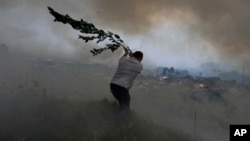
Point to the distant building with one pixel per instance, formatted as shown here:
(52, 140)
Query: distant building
(168, 72)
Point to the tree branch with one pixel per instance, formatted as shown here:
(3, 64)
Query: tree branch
(90, 33)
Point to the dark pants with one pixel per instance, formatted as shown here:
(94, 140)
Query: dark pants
(121, 94)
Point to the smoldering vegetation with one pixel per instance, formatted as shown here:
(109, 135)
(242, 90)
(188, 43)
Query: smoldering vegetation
(58, 99)
(61, 99)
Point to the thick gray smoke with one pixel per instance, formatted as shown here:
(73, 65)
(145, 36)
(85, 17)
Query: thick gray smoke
(223, 22)
(190, 32)
(49, 93)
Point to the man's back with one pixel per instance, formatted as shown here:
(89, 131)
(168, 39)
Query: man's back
(127, 71)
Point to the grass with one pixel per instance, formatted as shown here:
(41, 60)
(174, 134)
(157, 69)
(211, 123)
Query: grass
(67, 104)
(30, 118)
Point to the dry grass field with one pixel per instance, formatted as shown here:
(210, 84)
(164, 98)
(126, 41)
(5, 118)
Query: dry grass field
(67, 101)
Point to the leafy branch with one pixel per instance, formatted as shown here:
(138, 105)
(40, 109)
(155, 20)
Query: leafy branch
(91, 33)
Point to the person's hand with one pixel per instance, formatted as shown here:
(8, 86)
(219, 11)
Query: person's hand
(126, 51)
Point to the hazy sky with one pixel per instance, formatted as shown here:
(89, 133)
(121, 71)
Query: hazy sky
(175, 33)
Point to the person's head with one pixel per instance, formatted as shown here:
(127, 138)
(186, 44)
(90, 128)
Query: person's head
(138, 55)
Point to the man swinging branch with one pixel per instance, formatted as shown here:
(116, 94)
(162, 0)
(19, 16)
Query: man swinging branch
(128, 69)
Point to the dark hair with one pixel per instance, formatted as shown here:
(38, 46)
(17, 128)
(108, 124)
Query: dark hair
(138, 54)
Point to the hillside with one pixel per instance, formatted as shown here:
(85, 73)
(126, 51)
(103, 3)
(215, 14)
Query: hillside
(65, 100)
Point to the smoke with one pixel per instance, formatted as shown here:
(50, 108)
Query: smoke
(222, 23)
(170, 33)
(27, 27)
(190, 32)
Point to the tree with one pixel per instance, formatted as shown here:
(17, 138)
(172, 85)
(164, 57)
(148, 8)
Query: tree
(90, 33)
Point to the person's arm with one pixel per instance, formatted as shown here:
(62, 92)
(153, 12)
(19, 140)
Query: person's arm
(127, 52)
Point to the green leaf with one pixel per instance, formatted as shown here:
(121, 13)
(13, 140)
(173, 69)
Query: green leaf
(117, 36)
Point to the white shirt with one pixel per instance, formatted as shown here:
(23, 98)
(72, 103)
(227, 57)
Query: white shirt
(127, 70)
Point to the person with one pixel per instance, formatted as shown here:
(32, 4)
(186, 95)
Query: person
(128, 69)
